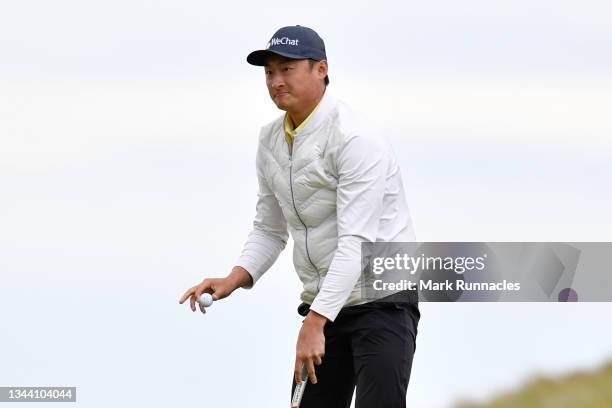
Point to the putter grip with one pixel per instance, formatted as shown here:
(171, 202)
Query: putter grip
(298, 392)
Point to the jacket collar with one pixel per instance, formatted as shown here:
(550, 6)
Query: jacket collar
(326, 105)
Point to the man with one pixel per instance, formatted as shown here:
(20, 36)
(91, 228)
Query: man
(331, 180)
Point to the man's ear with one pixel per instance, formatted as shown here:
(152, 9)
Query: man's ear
(322, 68)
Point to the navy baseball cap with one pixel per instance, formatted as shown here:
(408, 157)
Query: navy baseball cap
(296, 42)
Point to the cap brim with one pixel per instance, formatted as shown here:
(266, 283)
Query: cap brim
(259, 57)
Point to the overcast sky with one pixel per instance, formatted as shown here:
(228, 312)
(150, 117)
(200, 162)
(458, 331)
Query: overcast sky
(164, 38)
(127, 140)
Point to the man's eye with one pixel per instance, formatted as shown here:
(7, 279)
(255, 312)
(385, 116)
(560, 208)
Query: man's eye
(287, 68)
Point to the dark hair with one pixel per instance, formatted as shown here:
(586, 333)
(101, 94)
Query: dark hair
(312, 62)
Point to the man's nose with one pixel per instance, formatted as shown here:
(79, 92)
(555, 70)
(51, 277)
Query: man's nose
(276, 81)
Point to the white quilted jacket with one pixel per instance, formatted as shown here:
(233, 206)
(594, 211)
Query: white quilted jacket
(341, 186)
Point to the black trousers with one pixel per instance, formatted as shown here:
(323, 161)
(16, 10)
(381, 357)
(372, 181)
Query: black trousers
(370, 347)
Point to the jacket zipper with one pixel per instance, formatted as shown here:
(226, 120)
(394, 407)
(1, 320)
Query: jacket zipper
(300, 218)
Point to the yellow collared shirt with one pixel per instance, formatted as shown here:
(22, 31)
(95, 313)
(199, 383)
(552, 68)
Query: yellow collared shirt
(290, 132)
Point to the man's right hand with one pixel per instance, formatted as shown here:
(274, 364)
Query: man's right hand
(219, 288)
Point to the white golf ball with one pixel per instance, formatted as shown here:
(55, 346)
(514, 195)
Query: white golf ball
(206, 299)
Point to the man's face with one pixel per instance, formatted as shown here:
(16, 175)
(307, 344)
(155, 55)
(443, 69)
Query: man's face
(294, 83)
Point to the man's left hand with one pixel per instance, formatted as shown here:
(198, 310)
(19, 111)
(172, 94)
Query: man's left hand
(310, 347)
